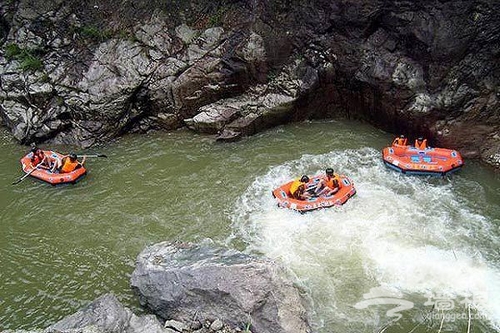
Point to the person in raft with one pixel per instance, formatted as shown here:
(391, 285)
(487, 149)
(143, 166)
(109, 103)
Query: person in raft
(421, 143)
(400, 141)
(68, 163)
(298, 188)
(328, 185)
(38, 158)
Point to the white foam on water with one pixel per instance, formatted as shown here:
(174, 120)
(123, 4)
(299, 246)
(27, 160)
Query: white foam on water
(414, 234)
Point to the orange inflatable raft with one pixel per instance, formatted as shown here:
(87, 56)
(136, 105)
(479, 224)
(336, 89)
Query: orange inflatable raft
(284, 197)
(48, 176)
(429, 161)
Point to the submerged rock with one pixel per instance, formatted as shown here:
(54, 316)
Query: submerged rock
(107, 314)
(104, 315)
(188, 282)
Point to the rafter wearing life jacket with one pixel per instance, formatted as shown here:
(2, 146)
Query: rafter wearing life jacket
(421, 143)
(298, 187)
(400, 141)
(328, 185)
(70, 163)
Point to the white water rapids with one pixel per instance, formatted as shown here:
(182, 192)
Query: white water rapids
(420, 239)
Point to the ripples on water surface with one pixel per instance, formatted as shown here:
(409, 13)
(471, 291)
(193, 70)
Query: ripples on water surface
(420, 239)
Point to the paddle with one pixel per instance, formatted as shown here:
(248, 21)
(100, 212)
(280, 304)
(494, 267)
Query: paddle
(94, 155)
(26, 175)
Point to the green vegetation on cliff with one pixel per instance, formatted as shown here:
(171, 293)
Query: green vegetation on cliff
(28, 59)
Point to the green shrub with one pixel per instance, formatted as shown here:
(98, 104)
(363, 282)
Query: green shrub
(31, 63)
(216, 19)
(90, 32)
(95, 33)
(12, 51)
(60, 101)
(28, 59)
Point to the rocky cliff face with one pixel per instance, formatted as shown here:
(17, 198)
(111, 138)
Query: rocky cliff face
(82, 73)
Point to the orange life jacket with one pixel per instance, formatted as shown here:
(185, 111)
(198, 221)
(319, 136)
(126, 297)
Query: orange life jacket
(422, 145)
(399, 141)
(333, 182)
(67, 165)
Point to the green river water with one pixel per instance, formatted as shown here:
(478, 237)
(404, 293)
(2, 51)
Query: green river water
(429, 245)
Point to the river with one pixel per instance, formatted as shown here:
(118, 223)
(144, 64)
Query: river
(406, 254)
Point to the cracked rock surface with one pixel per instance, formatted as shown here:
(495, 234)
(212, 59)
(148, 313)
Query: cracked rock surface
(84, 73)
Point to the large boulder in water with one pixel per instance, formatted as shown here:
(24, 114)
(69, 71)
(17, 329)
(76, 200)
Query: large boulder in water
(107, 314)
(185, 281)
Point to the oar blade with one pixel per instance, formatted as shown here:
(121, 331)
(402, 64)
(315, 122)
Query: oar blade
(92, 155)
(27, 174)
(22, 178)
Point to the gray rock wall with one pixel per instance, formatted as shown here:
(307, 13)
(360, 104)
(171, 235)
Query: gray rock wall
(83, 73)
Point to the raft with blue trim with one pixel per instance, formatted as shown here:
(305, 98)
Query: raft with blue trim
(53, 178)
(430, 161)
(285, 200)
